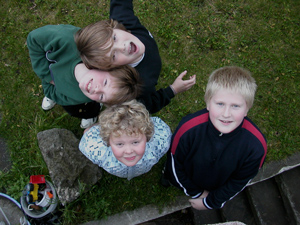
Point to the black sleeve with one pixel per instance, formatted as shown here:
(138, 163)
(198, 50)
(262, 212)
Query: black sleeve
(150, 67)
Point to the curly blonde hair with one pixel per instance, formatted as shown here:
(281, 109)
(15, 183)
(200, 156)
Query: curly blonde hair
(130, 118)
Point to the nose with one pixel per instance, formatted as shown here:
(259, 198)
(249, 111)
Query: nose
(128, 150)
(98, 88)
(227, 112)
(120, 47)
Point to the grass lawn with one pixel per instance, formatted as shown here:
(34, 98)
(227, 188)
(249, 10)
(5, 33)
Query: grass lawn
(199, 36)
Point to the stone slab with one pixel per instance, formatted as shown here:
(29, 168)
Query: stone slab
(10, 213)
(150, 212)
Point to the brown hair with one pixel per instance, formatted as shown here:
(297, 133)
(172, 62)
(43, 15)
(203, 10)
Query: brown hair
(95, 41)
(128, 85)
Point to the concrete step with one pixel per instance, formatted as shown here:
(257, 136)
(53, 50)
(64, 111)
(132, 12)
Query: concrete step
(267, 204)
(238, 209)
(273, 201)
(289, 187)
(207, 216)
(181, 217)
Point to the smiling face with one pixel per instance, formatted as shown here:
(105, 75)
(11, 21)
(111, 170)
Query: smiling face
(227, 110)
(126, 49)
(97, 85)
(128, 149)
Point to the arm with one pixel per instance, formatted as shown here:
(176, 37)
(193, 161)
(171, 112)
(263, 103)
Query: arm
(161, 139)
(178, 165)
(149, 69)
(92, 146)
(181, 85)
(122, 11)
(37, 46)
(197, 203)
(38, 43)
(52, 48)
(155, 100)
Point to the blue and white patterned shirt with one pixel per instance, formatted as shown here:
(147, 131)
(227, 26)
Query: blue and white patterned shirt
(96, 150)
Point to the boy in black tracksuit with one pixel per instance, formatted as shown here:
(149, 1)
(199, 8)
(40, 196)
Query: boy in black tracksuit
(149, 68)
(149, 65)
(216, 151)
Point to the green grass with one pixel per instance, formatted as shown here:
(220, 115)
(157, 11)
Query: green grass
(200, 36)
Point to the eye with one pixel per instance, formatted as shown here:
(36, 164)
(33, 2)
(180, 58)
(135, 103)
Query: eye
(235, 106)
(113, 56)
(101, 97)
(114, 37)
(105, 82)
(119, 144)
(136, 142)
(220, 103)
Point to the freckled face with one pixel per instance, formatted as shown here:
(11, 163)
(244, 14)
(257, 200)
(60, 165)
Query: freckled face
(128, 149)
(126, 49)
(98, 85)
(227, 110)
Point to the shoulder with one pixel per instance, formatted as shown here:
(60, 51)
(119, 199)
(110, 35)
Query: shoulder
(194, 119)
(161, 130)
(252, 130)
(160, 142)
(61, 30)
(92, 135)
(255, 138)
(159, 123)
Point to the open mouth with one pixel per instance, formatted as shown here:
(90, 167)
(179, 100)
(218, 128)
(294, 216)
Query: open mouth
(88, 87)
(133, 48)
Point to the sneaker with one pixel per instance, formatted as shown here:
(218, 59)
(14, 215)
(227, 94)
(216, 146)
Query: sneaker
(47, 103)
(85, 123)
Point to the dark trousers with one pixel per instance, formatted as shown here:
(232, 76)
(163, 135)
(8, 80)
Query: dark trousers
(85, 110)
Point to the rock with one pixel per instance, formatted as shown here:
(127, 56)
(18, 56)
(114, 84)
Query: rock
(71, 172)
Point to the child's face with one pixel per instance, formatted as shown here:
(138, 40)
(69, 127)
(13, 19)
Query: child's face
(97, 85)
(227, 110)
(126, 49)
(128, 149)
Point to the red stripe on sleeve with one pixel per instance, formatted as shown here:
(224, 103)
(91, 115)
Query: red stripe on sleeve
(249, 126)
(185, 127)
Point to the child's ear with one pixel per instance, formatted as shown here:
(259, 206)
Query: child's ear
(207, 106)
(246, 112)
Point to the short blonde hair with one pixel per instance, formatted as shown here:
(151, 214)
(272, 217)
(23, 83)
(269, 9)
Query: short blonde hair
(232, 78)
(95, 41)
(130, 118)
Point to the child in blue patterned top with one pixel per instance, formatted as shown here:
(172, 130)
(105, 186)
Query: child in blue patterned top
(126, 142)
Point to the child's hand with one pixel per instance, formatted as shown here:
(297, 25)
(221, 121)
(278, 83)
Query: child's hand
(181, 85)
(204, 194)
(197, 203)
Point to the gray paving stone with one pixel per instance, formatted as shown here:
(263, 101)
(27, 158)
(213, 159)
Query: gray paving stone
(207, 216)
(267, 203)
(238, 209)
(10, 213)
(290, 186)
